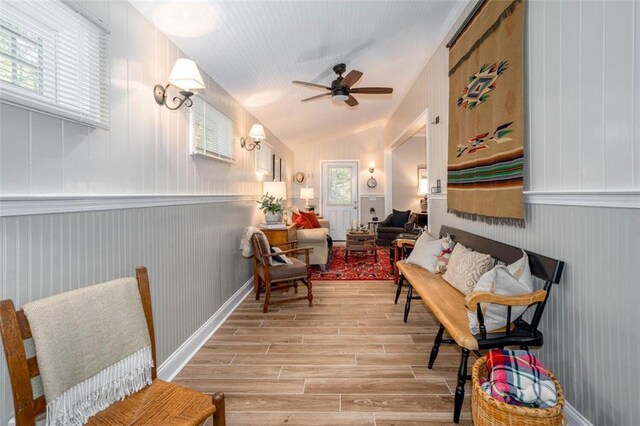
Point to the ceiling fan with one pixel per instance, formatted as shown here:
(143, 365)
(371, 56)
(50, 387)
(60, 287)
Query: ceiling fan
(341, 89)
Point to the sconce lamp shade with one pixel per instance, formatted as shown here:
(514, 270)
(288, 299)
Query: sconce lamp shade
(277, 189)
(372, 166)
(257, 132)
(423, 187)
(306, 193)
(185, 75)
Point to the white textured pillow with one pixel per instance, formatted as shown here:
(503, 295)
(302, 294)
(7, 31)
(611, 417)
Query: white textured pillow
(512, 280)
(465, 268)
(425, 253)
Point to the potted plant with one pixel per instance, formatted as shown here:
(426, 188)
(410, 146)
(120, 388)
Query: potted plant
(272, 208)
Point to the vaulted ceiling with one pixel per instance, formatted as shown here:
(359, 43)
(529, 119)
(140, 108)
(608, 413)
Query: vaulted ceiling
(254, 49)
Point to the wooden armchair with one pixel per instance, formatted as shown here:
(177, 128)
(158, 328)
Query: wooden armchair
(279, 277)
(159, 403)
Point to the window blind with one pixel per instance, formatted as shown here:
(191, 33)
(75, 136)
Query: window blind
(264, 158)
(211, 131)
(54, 59)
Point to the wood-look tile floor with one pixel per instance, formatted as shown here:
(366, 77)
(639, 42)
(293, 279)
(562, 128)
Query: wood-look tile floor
(348, 360)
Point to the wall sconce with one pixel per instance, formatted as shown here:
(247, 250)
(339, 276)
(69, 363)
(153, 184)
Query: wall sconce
(186, 77)
(257, 134)
(372, 182)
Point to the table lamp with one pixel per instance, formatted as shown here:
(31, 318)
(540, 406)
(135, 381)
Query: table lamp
(306, 194)
(423, 190)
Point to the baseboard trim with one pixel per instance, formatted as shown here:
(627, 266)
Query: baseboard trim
(575, 417)
(181, 356)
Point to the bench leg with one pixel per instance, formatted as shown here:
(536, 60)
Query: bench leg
(462, 378)
(407, 306)
(436, 347)
(399, 289)
(219, 415)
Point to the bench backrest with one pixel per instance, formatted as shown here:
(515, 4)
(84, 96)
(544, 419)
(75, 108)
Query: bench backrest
(15, 330)
(543, 267)
(547, 269)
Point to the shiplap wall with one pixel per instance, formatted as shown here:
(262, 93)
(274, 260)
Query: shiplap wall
(364, 146)
(591, 339)
(582, 59)
(191, 250)
(146, 150)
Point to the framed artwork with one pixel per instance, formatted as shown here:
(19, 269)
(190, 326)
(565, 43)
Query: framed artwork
(263, 159)
(283, 171)
(422, 172)
(276, 168)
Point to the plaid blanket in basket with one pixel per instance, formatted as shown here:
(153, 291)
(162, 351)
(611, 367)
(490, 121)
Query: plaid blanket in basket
(518, 378)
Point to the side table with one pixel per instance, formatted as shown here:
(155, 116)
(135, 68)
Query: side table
(281, 236)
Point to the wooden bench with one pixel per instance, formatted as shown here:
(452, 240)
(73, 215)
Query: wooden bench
(159, 403)
(450, 307)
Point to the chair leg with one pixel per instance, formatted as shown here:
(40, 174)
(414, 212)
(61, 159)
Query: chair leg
(407, 305)
(310, 291)
(462, 378)
(267, 297)
(295, 287)
(219, 415)
(399, 289)
(436, 347)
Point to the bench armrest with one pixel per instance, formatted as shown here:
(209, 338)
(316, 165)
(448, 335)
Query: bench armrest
(403, 242)
(472, 300)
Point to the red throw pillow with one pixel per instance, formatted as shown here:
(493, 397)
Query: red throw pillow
(312, 218)
(301, 222)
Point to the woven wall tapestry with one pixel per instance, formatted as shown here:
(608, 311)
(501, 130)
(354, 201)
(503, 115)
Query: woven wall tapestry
(486, 119)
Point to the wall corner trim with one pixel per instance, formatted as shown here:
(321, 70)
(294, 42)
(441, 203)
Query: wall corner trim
(170, 368)
(574, 417)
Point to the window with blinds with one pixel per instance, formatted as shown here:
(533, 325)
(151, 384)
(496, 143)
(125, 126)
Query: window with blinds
(211, 131)
(54, 59)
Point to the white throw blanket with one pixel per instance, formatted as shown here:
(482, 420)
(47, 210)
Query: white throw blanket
(93, 348)
(245, 244)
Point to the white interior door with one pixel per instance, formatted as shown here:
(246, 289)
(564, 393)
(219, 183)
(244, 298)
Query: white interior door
(340, 196)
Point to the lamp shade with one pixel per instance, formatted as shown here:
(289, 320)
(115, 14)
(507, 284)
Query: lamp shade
(257, 132)
(185, 75)
(277, 189)
(423, 187)
(306, 193)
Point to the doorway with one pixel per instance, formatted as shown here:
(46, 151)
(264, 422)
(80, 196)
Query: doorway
(340, 195)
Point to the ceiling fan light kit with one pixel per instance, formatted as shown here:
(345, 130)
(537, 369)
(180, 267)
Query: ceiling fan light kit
(341, 88)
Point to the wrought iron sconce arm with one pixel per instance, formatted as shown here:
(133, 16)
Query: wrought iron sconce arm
(249, 146)
(160, 95)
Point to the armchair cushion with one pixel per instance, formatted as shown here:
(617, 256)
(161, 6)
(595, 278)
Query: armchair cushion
(400, 218)
(284, 272)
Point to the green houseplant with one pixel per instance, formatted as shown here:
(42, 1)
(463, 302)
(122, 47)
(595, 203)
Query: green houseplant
(272, 208)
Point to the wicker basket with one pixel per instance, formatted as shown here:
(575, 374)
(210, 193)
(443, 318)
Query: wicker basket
(486, 410)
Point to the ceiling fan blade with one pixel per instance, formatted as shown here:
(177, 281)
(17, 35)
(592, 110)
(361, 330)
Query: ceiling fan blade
(316, 97)
(351, 101)
(351, 78)
(372, 90)
(317, 86)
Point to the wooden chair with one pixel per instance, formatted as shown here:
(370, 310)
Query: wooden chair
(279, 277)
(159, 403)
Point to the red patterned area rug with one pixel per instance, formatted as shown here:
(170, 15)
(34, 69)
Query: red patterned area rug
(360, 267)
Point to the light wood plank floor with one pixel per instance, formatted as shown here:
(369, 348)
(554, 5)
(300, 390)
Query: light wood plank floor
(348, 360)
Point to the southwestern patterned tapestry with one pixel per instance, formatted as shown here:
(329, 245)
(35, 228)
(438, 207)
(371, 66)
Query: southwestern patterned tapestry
(486, 119)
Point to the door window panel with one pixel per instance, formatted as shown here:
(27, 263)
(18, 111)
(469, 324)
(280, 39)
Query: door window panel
(340, 190)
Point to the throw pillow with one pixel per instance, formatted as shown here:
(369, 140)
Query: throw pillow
(465, 268)
(312, 218)
(425, 253)
(445, 253)
(301, 222)
(512, 280)
(279, 260)
(399, 218)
